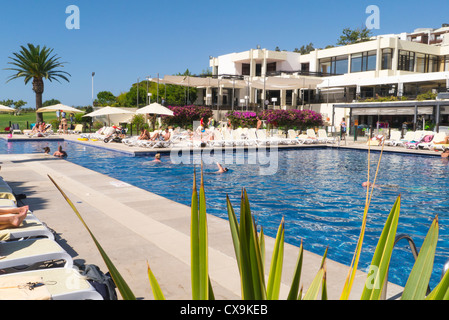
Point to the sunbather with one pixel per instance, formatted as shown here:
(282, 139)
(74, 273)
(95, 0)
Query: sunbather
(144, 135)
(12, 217)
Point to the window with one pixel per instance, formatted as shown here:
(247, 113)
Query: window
(258, 70)
(271, 67)
(246, 69)
(406, 61)
(426, 63)
(365, 61)
(387, 59)
(334, 65)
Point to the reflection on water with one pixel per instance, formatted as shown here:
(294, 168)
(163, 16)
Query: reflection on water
(317, 191)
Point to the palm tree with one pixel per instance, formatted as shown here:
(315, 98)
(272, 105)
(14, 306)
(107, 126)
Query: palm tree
(38, 64)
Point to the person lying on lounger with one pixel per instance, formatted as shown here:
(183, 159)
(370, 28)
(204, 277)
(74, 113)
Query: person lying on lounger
(12, 217)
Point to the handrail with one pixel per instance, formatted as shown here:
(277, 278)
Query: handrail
(415, 255)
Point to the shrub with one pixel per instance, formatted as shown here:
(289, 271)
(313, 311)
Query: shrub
(242, 119)
(184, 116)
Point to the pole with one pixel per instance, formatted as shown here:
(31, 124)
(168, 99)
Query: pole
(157, 88)
(138, 92)
(93, 74)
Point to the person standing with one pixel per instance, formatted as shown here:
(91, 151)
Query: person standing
(343, 128)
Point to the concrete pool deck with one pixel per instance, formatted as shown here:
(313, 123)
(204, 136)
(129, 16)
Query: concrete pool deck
(135, 226)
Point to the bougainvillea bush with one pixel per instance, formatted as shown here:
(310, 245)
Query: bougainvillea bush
(242, 119)
(184, 116)
(301, 119)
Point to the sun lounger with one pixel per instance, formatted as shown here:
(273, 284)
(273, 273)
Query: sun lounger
(395, 138)
(324, 138)
(58, 284)
(408, 137)
(15, 128)
(436, 143)
(7, 203)
(30, 228)
(312, 136)
(30, 254)
(414, 144)
(6, 193)
(238, 137)
(78, 129)
(217, 141)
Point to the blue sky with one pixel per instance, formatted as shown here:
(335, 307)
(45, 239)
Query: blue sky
(124, 40)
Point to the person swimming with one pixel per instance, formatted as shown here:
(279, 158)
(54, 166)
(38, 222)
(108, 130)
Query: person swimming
(370, 184)
(221, 169)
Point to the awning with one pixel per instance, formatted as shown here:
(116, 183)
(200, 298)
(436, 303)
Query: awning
(391, 111)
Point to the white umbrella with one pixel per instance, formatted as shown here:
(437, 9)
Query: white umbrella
(6, 109)
(57, 107)
(155, 108)
(107, 111)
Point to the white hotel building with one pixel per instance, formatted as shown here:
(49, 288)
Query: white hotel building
(336, 81)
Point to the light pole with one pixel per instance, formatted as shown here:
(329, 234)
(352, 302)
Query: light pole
(93, 74)
(138, 79)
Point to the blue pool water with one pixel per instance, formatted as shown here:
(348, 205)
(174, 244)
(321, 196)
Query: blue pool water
(317, 191)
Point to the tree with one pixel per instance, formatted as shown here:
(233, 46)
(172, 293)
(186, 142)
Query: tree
(51, 102)
(105, 98)
(305, 49)
(354, 36)
(36, 63)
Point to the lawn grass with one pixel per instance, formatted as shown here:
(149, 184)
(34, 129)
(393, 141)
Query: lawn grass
(24, 120)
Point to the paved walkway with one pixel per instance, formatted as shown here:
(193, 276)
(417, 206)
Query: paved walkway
(135, 226)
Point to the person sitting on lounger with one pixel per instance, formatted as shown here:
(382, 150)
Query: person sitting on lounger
(60, 153)
(221, 169)
(144, 135)
(165, 136)
(12, 217)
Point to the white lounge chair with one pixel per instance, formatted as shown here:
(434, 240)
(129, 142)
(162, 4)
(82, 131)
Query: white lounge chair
(30, 254)
(409, 135)
(262, 137)
(292, 137)
(218, 140)
(437, 143)
(395, 138)
(323, 137)
(30, 228)
(58, 284)
(311, 135)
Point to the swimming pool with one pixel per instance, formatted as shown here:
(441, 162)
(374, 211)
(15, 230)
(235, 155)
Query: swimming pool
(317, 191)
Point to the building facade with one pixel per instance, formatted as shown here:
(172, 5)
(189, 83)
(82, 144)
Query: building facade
(403, 67)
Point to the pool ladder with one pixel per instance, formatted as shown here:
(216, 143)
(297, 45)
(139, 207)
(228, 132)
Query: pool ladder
(415, 255)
